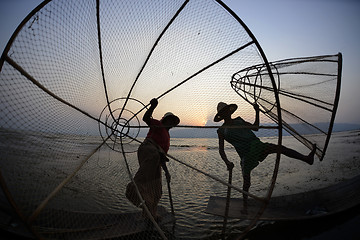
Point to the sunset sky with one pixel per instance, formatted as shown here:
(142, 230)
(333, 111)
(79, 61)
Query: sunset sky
(284, 29)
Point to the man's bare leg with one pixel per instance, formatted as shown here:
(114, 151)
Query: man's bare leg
(293, 154)
(246, 187)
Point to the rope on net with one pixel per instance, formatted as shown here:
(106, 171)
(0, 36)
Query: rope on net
(264, 200)
(228, 184)
(62, 184)
(313, 83)
(179, 161)
(151, 51)
(143, 203)
(66, 180)
(267, 105)
(38, 210)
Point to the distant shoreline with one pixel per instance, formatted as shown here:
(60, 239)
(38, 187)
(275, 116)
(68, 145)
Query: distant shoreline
(200, 132)
(211, 132)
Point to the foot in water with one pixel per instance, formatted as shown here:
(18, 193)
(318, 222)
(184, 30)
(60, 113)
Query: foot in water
(310, 157)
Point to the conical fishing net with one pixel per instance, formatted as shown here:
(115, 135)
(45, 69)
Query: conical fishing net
(309, 90)
(76, 79)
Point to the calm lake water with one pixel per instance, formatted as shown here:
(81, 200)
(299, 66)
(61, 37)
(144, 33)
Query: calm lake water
(33, 165)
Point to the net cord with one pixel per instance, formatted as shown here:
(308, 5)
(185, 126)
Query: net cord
(261, 52)
(216, 179)
(42, 87)
(210, 65)
(65, 181)
(142, 204)
(336, 103)
(285, 62)
(272, 185)
(192, 76)
(100, 56)
(290, 130)
(278, 154)
(289, 94)
(43, 204)
(141, 70)
(62, 184)
(287, 127)
(5, 57)
(320, 58)
(302, 99)
(18, 29)
(320, 153)
(149, 55)
(15, 206)
(261, 199)
(34, 81)
(202, 172)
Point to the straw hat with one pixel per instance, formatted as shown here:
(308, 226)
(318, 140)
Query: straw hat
(221, 108)
(173, 118)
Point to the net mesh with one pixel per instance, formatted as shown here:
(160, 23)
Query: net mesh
(308, 91)
(76, 79)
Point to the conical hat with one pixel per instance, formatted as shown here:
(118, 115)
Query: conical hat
(221, 108)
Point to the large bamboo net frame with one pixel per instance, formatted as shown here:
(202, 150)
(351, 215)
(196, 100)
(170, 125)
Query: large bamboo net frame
(76, 77)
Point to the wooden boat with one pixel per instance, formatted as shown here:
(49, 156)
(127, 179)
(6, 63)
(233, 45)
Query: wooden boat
(91, 225)
(100, 225)
(312, 204)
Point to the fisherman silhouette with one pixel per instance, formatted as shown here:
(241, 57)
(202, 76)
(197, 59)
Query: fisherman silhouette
(251, 150)
(152, 157)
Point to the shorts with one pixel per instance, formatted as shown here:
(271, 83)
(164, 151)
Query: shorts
(254, 155)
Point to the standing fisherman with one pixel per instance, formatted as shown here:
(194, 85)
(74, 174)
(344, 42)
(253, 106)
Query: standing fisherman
(152, 157)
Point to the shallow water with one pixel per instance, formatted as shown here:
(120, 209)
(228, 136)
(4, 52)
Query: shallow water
(33, 167)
